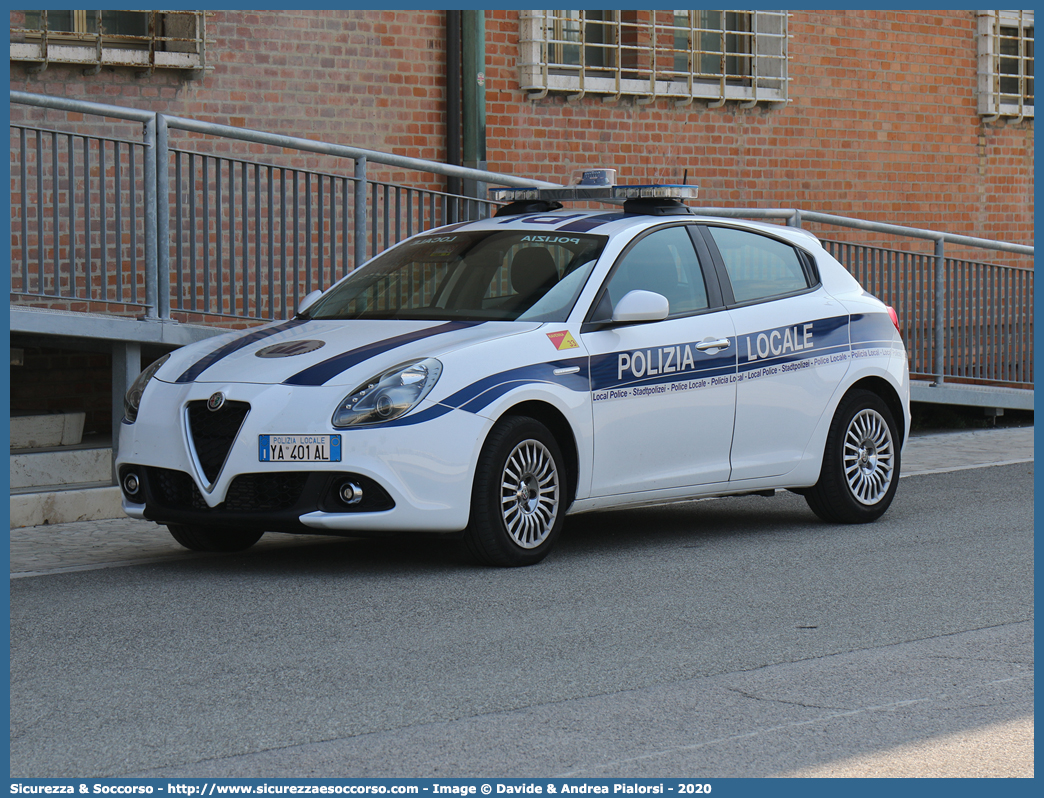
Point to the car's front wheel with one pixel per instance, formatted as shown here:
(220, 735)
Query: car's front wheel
(519, 496)
(860, 471)
(212, 538)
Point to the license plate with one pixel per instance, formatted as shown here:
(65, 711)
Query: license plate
(299, 448)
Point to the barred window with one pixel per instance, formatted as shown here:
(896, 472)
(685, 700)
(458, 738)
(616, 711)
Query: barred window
(682, 54)
(144, 39)
(1006, 63)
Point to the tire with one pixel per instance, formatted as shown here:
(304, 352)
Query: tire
(861, 462)
(519, 497)
(212, 538)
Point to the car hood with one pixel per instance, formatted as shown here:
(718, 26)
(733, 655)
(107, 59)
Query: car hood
(316, 352)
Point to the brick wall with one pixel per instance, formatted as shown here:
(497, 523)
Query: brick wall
(881, 125)
(882, 121)
(341, 76)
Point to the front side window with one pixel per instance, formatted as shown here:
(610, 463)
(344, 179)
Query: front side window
(681, 54)
(759, 267)
(487, 276)
(663, 262)
(1006, 63)
(145, 39)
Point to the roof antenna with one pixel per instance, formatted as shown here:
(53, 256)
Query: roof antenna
(685, 178)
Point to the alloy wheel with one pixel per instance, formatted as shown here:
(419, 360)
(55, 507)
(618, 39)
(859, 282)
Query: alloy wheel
(529, 494)
(868, 456)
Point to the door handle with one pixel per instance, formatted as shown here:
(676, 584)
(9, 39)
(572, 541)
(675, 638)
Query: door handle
(721, 343)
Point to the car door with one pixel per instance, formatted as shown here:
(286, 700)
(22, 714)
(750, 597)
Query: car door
(792, 344)
(663, 391)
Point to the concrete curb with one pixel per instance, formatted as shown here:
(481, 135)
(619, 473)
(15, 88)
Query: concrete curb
(66, 506)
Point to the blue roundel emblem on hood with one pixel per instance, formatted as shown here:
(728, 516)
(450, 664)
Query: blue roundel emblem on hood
(290, 348)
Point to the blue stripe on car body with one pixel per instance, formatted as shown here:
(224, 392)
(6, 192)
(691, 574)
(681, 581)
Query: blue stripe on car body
(608, 372)
(418, 417)
(592, 223)
(776, 345)
(868, 327)
(321, 373)
(479, 395)
(222, 352)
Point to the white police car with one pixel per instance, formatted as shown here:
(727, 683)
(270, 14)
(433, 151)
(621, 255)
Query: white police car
(488, 378)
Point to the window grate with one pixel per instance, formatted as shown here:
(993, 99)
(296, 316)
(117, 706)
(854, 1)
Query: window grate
(652, 54)
(147, 40)
(1006, 63)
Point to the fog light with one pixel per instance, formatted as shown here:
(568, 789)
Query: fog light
(131, 485)
(350, 493)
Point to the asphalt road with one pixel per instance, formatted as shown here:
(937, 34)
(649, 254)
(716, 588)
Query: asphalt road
(736, 637)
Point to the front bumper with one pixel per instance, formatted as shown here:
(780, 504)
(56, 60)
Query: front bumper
(413, 477)
(274, 501)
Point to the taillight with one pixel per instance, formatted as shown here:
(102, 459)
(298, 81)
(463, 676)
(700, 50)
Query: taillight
(895, 318)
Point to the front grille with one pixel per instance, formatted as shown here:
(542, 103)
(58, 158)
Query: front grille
(248, 493)
(265, 492)
(213, 432)
(175, 489)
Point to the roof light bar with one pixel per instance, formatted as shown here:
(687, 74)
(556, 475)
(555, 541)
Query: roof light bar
(610, 193)
(597, 185)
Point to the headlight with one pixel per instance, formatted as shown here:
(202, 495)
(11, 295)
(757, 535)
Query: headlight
(132, 400)
(388, 395)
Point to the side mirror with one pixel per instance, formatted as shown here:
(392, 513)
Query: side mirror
(308, 300)
(639, 306)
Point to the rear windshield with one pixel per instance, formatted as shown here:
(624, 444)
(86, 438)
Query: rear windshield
(474, 276)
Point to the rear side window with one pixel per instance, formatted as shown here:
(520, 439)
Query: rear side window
(759, 267)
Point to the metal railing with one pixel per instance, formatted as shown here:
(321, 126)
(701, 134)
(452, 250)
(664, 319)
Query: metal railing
(250, 240)
(986, 316)
(238, 256)
(245, 240)
(48, 212)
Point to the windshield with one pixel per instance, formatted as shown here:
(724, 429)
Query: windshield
(474, 276)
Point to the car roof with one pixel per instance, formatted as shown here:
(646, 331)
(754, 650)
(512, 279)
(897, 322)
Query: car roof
(613, 222)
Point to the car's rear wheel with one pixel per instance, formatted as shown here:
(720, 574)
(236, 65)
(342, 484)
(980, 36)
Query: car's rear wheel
(860, 471)
(212, 538)
(519, 496)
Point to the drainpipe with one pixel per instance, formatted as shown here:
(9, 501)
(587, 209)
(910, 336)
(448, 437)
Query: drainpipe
(453, 107)
(473, 28)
